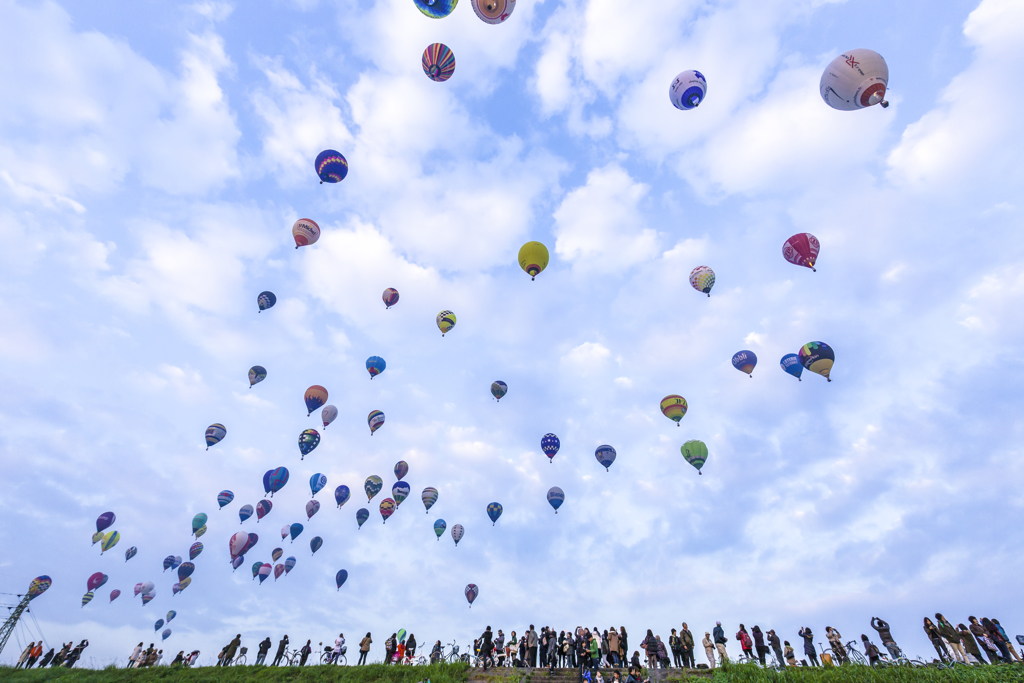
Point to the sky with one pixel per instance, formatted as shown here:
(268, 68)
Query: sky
(154, 156)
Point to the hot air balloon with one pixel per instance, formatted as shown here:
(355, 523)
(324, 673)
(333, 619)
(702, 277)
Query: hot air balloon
(401, 469)
(855, 80)
(214, 434)
(494, 511)
(390, 297)
(438, 62)
(198, 521)
(329, 414)
(257, 374)
(87, 598)
(400, 491)
(138, 588)
(702, 279)
(362, 514)
(315, 397)
(158, 625)
(457, 533)
(266, 300)
(605, 455)
(256, 569)
(95, 581)
(225, 497)
(177, 562)
(38, 586)
(375, 419)
(237, 543)
(317, 482)
(436, 9)
(166, 634)
(294, 530)
(176, 588)
(130, 553)
(533, 258)
(439, 527)
(170, 615)
(114, 595)
(104, 521)
(263, 509)
(372, 486)
(168, 562)
(556, 497)
(312, 507)
(145, 587)
(674, 407)
(97, 537)
(201, 531)
(185, 571)
(331, 166)
(471, 592)
(550, 445)
(498, 389)
(278, 571)
(340, 578)
(315, 543)
(245, 512)
(276, 554)
(236, 563)
(111, 538)
(387, 508)
(289, 564)
(305, 231)
(791, 364)
(493, 11)
(309, 439)
(375, 365)
(695, 452)
(445, 321)
(341, 495)
(194, 550)
(251, 543)
(429, 497)
(744, 361)
(274, 480)
(285, 530)
(818, 357)
(802, 249)
(688, 90)
(148, 597)
(265, 571)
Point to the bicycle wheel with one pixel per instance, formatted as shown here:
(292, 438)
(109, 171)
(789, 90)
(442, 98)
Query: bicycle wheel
(342, 660)
(240, 660)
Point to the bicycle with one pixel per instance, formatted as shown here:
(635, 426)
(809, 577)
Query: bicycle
(900, 660)
(240, 659)
(293, 657)
(330, 657)
(854, 655)
(451, 656)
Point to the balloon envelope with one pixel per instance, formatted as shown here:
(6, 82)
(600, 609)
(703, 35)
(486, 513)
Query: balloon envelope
(317, 482)
(266, 300)
(429, 497)
(362, 514)
(148, 597)
(278, 571)
(110, 539)
(314, 397)
(802, 249)
(87, 598)
(471, 592)
(312, 507)
(498, 389)
(401, 469)
(289, 564)
(305, 231)
(104, 521)
(329, 414)
(308, 440)
(177, 561)
(818, 357)
(605, 455)
(285, 530)
(257, 374)
(146, 587)
(237, 543)
(168, 562)
(274, 480)
(674, 407)
(170, 615)
(688, 90)
(550, 445)
(695, 452)
(194, 551)
(97, 537)
(854, 80)
(201, 531)
(294, 530)
(130, 553)
(556, 497)
(263, 509)
(494, 512)
(744, 361)
(331, 166)
(387, 508)
(198, 521)
(400, 491)
(791, 364)
(436, 9)
(236, 563)
(214, 434)
(375, 419)
(185, 570)
(493, 11)
(390, 297)
(245, 512)
(265, 571)
(439, 527)
(457, 533)
(702, 279)
(340, 578)
(372, 486)
(157, 626)
(533, 258)
(375, 365)
(256, 569)
(114, 595)
(341, 495)
(38, 586)
(225, 497)
(276, 554)
(445, 321)
(315, 543)
(166, 634)
(95, 581)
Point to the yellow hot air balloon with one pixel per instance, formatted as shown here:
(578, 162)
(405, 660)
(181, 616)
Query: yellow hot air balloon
(445, 321)
(533, 258)
(674, 407)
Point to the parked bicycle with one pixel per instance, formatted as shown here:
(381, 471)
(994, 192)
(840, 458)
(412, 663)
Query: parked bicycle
(900, 660)
(332, 657)
(854, 654)
(240, 659)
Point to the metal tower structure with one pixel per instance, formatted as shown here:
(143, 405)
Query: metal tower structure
(8, 628)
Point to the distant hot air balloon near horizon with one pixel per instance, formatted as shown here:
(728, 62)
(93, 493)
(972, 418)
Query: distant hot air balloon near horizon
(605, 455)
(329, 414)
(305, 231)
(550, 444)
(387, 508)
(372, 486)
(855, 80)
(401, 469)
(214, 434)
(556, 497)
(274, 480)
(533, 258)
(340, 578)
(674, 407)
(688, 90)
(266, 300)
(331, 166)
(745, 361)
(257, 374)
(375, 419)
(494, 512)
(493, 11)
(341, 495)
(263, 509)
(429, 497)
(457, 533)
(375, 365)
(390, 297)
(224, 498)
(439, 527)
(438, 62)
(498, 389)
(818, 357)
(314, 397)
(245, 512)
(362, 514)
(471, 592)
(702, 279)
(309, 439)
(802, 249)
(445, 321)
(695, 452)
(791, 364)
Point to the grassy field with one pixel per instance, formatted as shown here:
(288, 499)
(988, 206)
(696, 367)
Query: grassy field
(856, 674)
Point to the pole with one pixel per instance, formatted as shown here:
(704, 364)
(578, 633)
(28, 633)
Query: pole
(12, 621)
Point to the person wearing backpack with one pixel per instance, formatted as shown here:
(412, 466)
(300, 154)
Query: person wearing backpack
(304, 651)
(746, 644)
(686, 647)
(673, 644)
(871, 650)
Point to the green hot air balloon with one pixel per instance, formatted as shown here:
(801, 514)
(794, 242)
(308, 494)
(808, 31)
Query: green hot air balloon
(695, 452)
(372, 486)
(198, 522)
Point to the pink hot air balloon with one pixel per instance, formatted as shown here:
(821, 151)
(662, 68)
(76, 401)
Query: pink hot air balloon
(278, 570)
(802, 250)
(175, 589)
(138, 588)
(312, 507)
(237, 543)
(95, 581)
(114, 594)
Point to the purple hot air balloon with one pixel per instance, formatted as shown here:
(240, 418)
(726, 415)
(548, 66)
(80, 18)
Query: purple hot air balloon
(185, 570)
(471, 592)
(104, 521)
(168, 562)
(175, 589)
(237, 562)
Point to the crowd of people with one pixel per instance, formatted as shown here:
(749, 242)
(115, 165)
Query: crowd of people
(66, 656)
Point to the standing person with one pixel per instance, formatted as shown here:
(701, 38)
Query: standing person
(981, 635)
(773, 640)
(435, 652)
(24, 655)
(932, 631)
(595, 650)
(553, 649)
(809, 650)
(720, 641)
(531, 647)
(46, 659)
(970, 645)
(835, 639)
(623, 644)
(790, 657)
(613, 647)
(874, 656)
(746, 644)
(133, 658)
(282, 646)
(304, 652)
(952, 638)
(159, 657)
(686, 643)
(883, 632)
(410, 647)
(1005, 638)
(364, 648)
(650, 646)
(179, 660)
(486, 646)
(524, 650)
(512, 648)
(605, 648)
(499, 647)
(261, 654)
(663, 654)
(76, 653)
(996, 638)
(58, 659)
(390, 645)
(677, 653)
(759, 645)
(232, 648)
(34, 654)
(709, 649)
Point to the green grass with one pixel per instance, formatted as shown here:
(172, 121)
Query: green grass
(749, 673)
